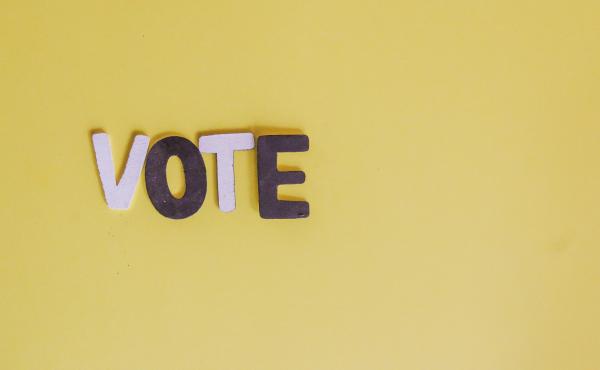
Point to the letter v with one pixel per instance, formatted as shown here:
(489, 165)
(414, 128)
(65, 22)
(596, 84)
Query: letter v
(118, 196)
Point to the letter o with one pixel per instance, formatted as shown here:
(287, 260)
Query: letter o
(156, 177)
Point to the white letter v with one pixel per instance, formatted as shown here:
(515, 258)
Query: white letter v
(118, 196)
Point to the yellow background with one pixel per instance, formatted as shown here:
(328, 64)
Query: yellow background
(453, 178)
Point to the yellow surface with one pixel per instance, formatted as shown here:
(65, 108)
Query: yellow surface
(453, 177)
